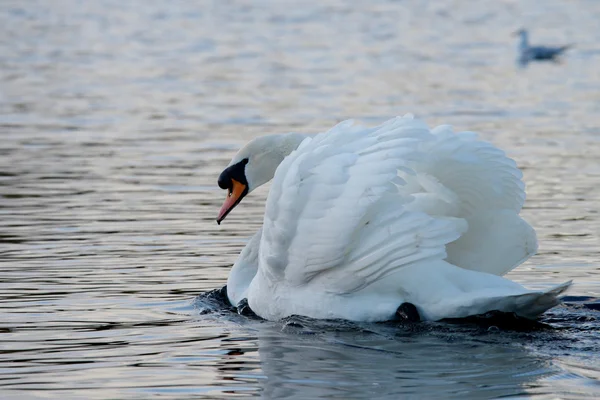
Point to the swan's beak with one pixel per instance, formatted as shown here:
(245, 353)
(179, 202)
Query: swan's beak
(236, 192)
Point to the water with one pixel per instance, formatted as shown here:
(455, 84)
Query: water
(117, 117)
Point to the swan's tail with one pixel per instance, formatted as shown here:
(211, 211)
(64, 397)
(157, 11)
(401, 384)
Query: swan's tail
(530, 305)
(444, 290)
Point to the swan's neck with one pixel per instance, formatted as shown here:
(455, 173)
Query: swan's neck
(243, 271)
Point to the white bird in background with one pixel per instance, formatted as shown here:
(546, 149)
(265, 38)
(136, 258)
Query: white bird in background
(361, 220)
(528, 53)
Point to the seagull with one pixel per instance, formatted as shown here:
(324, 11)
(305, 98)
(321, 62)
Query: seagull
(529, 53)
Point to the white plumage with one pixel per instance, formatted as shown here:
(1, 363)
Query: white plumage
(360, 220)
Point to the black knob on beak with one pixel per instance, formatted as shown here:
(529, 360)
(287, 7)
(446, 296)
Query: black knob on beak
(224, 180)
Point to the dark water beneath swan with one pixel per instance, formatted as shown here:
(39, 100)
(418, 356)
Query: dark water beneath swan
(116, 118)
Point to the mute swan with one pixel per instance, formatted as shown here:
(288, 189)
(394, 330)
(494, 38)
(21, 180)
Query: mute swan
(360, 220)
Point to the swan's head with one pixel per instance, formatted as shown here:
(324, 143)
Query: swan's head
(253, 166)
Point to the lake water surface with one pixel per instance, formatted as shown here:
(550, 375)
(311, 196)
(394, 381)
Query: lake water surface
(116, 118)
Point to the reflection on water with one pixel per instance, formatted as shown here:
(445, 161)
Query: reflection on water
(302, 358)
(117, 117)
(384, 366)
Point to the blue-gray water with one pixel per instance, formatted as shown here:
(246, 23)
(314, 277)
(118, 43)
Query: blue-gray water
(116, 118)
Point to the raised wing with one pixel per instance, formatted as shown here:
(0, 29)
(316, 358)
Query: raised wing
(478, 182)
(480, 175)
(334, 209)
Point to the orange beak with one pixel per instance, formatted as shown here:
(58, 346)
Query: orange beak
(236, 192)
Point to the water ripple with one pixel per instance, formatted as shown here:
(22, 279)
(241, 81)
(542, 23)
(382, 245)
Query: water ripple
(117, 118)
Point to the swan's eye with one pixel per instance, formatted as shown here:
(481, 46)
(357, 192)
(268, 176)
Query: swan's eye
(230, 193)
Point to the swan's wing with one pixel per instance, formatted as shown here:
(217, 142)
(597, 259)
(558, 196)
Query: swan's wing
(334, 210)
(480, 174)
(388, 238)
(485, 187)
(496, 242)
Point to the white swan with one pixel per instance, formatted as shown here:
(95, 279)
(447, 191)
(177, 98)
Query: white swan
(360, 220)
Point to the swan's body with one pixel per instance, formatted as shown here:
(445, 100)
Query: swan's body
(527, 53)
(360, 220)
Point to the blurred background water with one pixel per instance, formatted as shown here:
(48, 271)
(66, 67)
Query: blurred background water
(116, 118)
